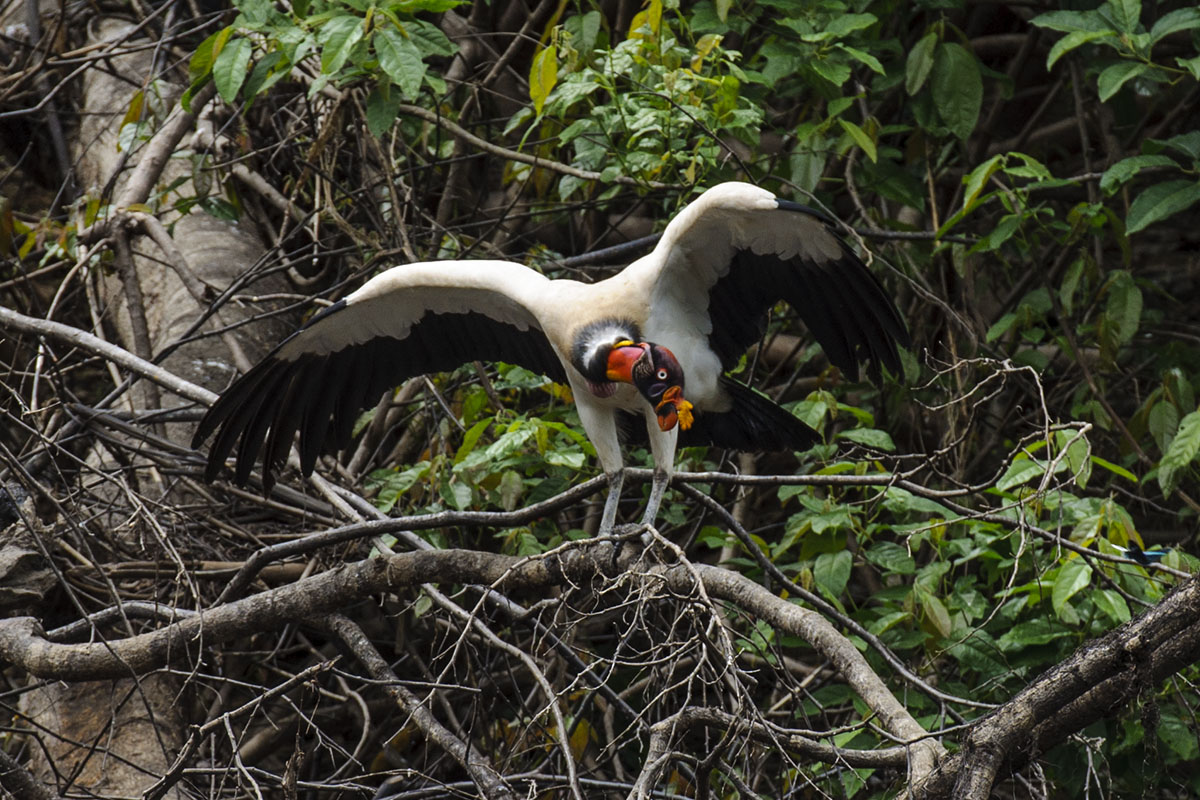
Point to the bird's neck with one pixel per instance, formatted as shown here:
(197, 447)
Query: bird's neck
(592, 342)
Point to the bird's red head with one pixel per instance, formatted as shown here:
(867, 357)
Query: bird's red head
(656, 374)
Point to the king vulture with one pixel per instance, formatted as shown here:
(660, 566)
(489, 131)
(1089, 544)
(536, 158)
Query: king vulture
(655, 339)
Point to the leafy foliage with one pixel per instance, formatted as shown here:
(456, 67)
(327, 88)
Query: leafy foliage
(901, 109)
(1028, 194)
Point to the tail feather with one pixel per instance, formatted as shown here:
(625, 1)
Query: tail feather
(753, 423)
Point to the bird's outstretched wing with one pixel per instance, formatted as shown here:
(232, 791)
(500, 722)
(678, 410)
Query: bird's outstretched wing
(737, 250)
(407, 321)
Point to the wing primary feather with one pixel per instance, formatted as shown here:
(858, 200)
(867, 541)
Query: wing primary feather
(350, 400)
(230, 400)
(255, 431)
(867, 338)
(878, 299)
(317, 402)
(817, 309)
(306, 384)
(864, 312)
(243, 406)
(328, 401)
(871, 313)
(287, 422)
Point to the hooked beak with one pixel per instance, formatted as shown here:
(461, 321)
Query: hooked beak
(674, 409)
(622, 358)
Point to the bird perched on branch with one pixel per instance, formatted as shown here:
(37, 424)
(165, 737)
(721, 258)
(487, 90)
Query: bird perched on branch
(655, 339)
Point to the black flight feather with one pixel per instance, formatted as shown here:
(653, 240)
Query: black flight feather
(322, 395)
(841, 302)
(754, 423)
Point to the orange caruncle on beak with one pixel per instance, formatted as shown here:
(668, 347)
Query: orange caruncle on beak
(672, 409)
(621, 360)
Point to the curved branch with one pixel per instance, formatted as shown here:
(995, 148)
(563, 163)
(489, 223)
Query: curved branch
(118, 355)
(23, 644)
(816, 630)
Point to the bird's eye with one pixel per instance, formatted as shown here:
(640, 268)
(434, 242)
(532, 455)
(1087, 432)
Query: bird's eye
(663, 375)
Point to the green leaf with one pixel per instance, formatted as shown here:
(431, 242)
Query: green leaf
(543, 75)
(1074, 577)
(392, 485)
(1123, 13)
(229, 69)
(1192, 65)
(383, 104)
(957, 88)
(1181, 19)
(936, 613)
(429, 38)
(1029, 168)
(891, 557)
(842, 24)
(1179, 736)
(266, 73)
(1003, 231)
(871, 437)
(978, 177)
(1186, 143)
(510, 489)
(1122, 171)
(832, 572)
(919, 63)
(1073, 40)
(400, 59)
(1115, 469)
(202, 60)
(1159, 202)
(338, 37)
(1124, 307)
(1181, 452)
(1031, 633)
(1068, 21)
(1066, 292)
(1077, 455)
(1113, 605)
(1001, 327)
(1163, 423)
(862, 57)
(1114, 77)
(835, 72)
(431, 6)
(900, 501)
(1022, 470)
(888, 621)
(860, 138)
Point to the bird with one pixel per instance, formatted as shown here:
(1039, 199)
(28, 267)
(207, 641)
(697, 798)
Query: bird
(1143, 557)
(654, 340)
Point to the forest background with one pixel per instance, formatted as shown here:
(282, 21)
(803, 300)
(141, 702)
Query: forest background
(978, 582)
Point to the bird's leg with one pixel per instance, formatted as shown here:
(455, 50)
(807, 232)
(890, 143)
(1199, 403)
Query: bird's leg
(658, 488)
(600, 422)
(609, 518)
(662, 447)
